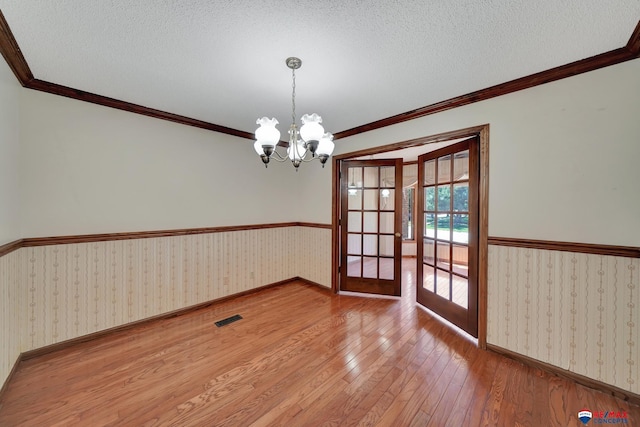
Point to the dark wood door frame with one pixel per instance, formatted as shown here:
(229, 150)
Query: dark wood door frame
(482, 132)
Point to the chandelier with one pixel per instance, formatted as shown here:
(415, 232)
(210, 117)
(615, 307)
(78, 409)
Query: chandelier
(310, 139)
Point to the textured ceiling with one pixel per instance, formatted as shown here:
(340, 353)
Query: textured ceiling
(224, 61)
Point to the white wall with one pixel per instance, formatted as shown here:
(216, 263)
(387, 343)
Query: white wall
(315, 204)
(93, 169)
(9, 219)
(563, 157)
(9, 152)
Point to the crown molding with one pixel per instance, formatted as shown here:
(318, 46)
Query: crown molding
(633, 45)
(12, 54)
(16, 61)
(93, 98)
(613, 57)
(18, 64)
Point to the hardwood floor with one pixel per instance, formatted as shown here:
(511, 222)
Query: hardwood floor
(300, 356)
(369, 269)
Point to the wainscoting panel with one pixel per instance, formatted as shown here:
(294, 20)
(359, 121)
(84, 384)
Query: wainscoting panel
(576, 311)
(313, 254)
(58, 292)
(11, 309)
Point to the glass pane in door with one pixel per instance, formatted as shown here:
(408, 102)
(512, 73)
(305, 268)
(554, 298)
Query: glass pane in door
(386, 268)
(354, 222)
(371, 199)
(460, 257)
(430, 172)
(429, 225)
(444, 169)
(370, 244)
(370, 267)
(430, 198)
(461, 197)
(429, 278)
(387, 177)
(428, 256)
(355, 199)
(354, 244)
(371, 222)
(354, 266)
(387, 222)
(355, 178)
(386, 245)
(460, 288)
(371, 177)
(461, 166)
(443, 283)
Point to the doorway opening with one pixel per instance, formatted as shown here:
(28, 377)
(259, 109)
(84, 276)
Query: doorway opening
(416, 225)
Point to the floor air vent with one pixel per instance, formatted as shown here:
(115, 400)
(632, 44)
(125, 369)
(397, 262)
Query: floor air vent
(228, 320)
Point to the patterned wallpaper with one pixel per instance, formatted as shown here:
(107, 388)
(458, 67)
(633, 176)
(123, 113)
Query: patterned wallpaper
(577, 311)
(58, 292)
(10, 312)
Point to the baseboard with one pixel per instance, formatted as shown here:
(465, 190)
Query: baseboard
(580, 379)
(312, 283)
(8, 379)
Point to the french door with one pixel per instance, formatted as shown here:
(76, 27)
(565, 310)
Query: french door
(370, 224)
(448, 233)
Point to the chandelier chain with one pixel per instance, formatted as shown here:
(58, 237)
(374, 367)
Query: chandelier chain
(293, 96)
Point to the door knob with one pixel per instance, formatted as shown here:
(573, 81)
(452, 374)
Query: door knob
(398, 235)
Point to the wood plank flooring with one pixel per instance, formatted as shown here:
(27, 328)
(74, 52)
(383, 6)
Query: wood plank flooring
(299, 357)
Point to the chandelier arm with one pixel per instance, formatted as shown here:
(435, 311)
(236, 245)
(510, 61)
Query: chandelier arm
(304, 153)
(311, 159)
(278, 157)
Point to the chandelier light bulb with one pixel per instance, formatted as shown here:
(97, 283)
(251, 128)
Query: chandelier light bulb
(325, 148)
(326, 145)
(311, 129)
(267, 134)
(258, 147)
(296, 151)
